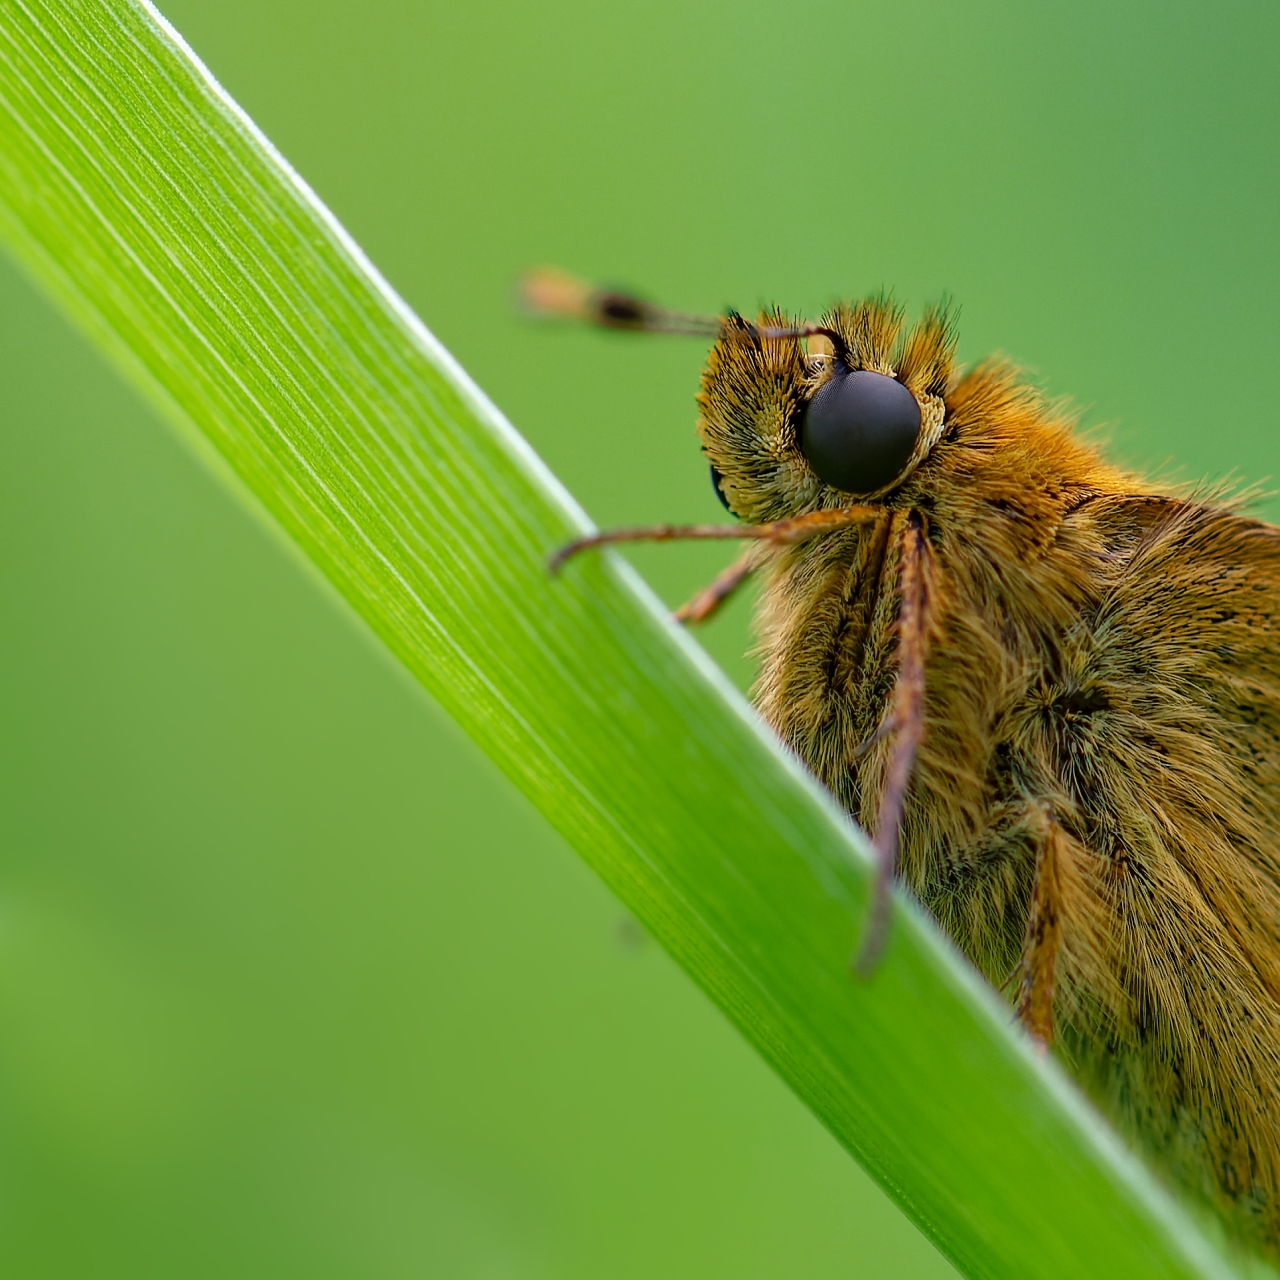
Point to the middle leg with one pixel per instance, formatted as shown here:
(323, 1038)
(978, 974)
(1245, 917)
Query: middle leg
(711, 597)
(1037, 968)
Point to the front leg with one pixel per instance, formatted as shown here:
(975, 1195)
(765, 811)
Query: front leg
(905, 723)
(781, 533)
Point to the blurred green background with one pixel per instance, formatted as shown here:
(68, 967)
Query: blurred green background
(291, 983)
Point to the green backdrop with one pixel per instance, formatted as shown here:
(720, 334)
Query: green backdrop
(290, 982)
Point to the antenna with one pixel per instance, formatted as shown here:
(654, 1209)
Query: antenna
(549, 293)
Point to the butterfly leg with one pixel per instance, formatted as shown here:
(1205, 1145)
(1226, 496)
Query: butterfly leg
(907, 718)
(1043, 941)
(712, 596)
(778, 532)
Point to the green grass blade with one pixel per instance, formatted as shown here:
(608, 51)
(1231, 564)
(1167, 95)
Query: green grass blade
(166, 225)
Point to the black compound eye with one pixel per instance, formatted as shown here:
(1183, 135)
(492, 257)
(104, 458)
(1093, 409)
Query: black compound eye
(719, 492)
(859, 430)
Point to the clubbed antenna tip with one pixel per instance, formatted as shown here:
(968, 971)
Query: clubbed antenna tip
(549, 293)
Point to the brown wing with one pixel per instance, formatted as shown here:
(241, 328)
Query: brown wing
(1169, 759)
(1188, 643)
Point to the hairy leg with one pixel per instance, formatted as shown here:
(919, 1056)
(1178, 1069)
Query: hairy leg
(1026, 902)
(906, 716)
(1037, 967)
(778, 532)
(712, 596)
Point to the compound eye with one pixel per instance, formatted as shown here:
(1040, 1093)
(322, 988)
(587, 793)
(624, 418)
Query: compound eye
(715, 484)
(859, 430)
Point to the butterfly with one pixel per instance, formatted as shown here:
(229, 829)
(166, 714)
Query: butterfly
(1049, 687)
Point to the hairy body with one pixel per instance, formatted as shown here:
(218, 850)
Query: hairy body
(1101, 708)
(1052, 691)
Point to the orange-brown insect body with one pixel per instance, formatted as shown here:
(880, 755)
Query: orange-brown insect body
(1050, 689)
(1095, 803)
